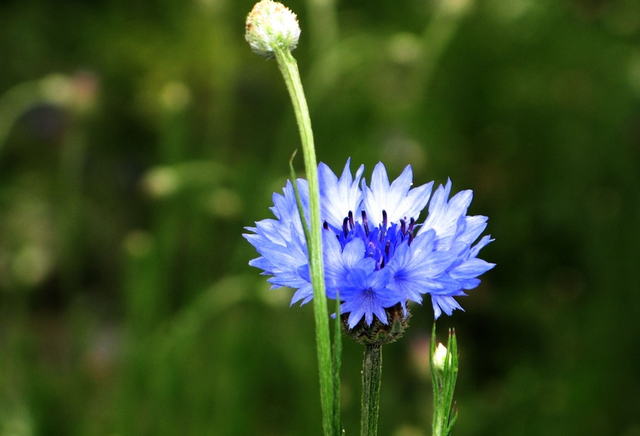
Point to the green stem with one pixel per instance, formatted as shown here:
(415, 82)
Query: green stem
(289, 69)
(371, 378)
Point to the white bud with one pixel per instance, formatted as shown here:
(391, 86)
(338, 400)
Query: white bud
(440, 356)
(271, 26)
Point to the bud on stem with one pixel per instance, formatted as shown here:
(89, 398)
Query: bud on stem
(271, 26)
(272, 30)
(444, 373)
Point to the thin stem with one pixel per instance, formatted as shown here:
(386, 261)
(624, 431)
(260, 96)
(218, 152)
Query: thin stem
(337, 360)
(289, 69)
(371, 378)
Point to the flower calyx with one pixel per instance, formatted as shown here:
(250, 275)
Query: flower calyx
(379, 333)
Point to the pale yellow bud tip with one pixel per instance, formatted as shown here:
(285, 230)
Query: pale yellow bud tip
(440, 356)
(271, 26)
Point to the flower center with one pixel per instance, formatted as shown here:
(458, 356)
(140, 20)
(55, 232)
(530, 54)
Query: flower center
(380, 242)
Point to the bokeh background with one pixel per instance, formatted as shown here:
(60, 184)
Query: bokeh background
(138, 138)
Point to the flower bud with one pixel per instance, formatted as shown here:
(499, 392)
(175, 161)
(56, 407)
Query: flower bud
(440, 357)
(271, 26)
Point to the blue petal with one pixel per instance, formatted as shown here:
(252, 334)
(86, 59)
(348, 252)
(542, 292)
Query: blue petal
(353, 253)
(417, 269)
(397, 199)
(339, 196)
(444, 217)
(444, 303)
(483, 242)
(470, 228)
(471, 268)
(366, 295)
(305, 294)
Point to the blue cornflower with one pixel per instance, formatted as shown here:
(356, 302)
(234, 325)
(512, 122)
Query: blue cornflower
(376, 255)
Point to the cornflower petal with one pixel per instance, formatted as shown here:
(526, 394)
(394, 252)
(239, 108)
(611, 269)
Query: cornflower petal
(444, 303)
(339, 196)
(283, 261)
(304, 294)
(397, 199)
(480, 245)
(471, 268)
(338, 263)
(365, 295)
(417, 269)
(444, 214)
(468, 267)
(470, 228)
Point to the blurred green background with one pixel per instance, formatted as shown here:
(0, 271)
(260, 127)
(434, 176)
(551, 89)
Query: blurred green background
(138, 138)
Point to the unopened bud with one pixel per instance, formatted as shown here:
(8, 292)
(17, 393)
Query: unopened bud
(272, 26)
(440, 357)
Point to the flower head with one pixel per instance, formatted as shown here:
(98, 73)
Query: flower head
(271, 26)
(376, 253)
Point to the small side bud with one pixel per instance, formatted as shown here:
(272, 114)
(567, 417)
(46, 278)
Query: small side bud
(440, 357)
(271, 26)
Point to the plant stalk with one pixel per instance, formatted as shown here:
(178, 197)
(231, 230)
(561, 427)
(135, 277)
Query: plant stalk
(371, 378)
(289, 69)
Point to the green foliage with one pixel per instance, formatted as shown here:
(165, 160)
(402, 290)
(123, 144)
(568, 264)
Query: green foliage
(126, 303)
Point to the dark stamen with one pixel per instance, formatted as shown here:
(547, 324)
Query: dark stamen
(351, 222)
(384, 219)
(411, 224)
(403, 226)
(325, 226)
(365, 223)
(387, 247)
(345, 228)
